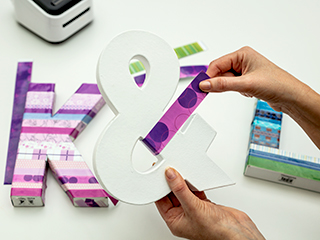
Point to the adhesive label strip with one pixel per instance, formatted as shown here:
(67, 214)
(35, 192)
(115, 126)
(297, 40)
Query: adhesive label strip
(176, 115)
(23, 79)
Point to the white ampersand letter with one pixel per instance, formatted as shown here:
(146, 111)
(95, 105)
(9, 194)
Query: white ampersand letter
(137, 110)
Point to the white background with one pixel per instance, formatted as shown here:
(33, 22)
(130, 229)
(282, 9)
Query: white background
(287, 32)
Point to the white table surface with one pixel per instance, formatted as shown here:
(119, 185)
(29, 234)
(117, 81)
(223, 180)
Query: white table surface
(287, 32)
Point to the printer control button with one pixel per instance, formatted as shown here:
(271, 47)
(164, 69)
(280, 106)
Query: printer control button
(56, 2)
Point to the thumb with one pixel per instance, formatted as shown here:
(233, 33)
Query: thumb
(225, 83)
(180, 189)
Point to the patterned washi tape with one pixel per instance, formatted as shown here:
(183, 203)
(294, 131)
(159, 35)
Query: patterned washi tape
(192, 71)
(23, 79)
(176, 116)
(266, 126)
(265, 133)
(190, 49)
(46, 138)
(265, 113)
(264, 152)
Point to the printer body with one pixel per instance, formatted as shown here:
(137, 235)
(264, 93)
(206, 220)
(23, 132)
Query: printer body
(53, 20)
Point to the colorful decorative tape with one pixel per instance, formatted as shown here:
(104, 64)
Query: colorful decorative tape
(190, 49)
(265, 133)
(284, 156)
(266, 161)
(266, 126)
(176, 115)
(285, 162)
(265, 113)
(23, 79)
(192, 71)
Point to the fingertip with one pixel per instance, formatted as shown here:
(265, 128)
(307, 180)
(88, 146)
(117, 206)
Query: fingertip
(170, 173)
(205, 85)
(178, 186)
(174, 179)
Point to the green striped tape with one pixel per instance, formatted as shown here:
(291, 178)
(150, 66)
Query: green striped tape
(183, 51)
(189, 49)
(136, 67)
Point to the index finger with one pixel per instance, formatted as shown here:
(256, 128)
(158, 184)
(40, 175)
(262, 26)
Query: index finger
(164, 205)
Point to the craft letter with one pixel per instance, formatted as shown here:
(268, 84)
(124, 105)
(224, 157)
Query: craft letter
(47, 139)
(137, 110)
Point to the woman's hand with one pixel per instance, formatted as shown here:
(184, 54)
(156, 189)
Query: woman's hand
(191, 215)
(248, 72)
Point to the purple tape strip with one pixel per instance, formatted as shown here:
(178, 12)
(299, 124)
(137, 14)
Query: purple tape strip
(192, 71)
(176, 115)
(91, 193)
(23, 79)
(140, 79)
(88, 89)
(28, 178)
(78, 179)
(41, 87)
(34, 192)
(49, 130)
(85, 193)
(39, 110)
(71, 111)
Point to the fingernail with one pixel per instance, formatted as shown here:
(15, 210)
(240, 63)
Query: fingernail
(171, 174)
(205, 85)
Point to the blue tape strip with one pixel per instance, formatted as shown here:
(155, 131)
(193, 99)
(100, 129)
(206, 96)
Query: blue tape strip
(267, 124)
(82, 117)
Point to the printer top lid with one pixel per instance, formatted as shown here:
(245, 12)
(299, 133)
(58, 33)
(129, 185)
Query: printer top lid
(56, 7)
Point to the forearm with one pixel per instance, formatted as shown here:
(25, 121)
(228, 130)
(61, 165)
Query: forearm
(306, 112)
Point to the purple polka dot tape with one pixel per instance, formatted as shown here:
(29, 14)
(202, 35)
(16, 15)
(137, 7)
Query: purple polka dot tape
(192, 71)
(176, 115)
(23, 79)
